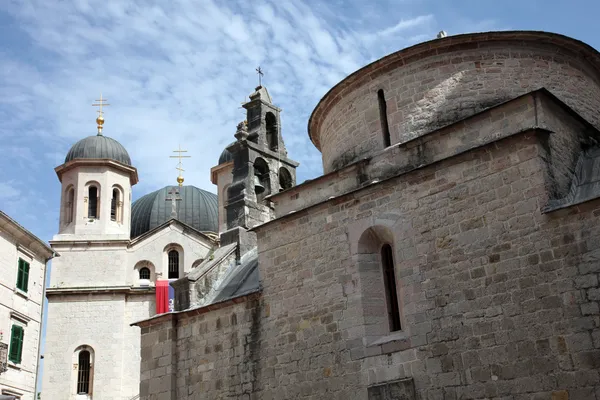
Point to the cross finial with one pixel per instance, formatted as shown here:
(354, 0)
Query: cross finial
(100, 120)
(260, 74)
(174, 192)
(179, 165)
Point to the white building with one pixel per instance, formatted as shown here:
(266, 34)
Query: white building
(112, 253)
(23, 259)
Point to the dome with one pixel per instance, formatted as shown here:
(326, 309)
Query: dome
(225, 155)
(98, 147)
(197, 208)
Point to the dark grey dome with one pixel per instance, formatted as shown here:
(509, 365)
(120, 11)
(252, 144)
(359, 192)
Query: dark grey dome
(225, 155)
(99, 147)
(197, 208)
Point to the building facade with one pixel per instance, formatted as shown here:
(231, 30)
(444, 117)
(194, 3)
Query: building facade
(451, 250)
(116, 259)
(23, 259)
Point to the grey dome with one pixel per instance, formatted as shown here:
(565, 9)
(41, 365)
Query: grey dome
(226, 156)
(98, 147)
(197, 208)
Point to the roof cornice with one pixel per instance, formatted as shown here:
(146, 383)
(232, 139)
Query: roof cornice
(101, 162)
(25, 238)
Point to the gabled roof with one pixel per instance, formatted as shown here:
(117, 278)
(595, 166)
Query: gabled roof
(186, 229)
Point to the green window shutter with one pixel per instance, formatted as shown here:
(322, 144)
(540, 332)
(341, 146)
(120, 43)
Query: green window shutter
(16, 344)
(25, 276)
(19, 274)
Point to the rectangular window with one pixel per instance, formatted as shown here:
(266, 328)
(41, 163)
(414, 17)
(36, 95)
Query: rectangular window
(93, 202)
(16, 344)
(23, 275)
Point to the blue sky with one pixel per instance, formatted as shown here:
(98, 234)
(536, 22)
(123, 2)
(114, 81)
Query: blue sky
(176, 72)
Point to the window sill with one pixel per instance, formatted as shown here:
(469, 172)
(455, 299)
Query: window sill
(13, 365)
(22, 293)
(392, 337)
(378, 345)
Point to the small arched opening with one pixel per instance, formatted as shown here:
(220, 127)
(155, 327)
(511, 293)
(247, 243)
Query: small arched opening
(83, 359)
(272, 131)
(285, 179)
(381, 299)
(69, 204)
(93, 198)
(173, 264)
(262, 180)
(116, 205)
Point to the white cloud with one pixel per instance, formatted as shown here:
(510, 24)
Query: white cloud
(174, 73)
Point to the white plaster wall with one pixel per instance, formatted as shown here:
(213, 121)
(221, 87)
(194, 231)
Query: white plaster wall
(153, 249)
(102, 228)
(20, 378)
(90, 265)
(102, 322)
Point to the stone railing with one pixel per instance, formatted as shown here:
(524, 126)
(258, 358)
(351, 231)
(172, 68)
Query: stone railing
(3, 357)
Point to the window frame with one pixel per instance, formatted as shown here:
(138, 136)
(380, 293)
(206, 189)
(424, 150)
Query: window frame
(15, 354)
(96, 202)
(144, 269)
(84, 374)
(169, 264)
(23, 268)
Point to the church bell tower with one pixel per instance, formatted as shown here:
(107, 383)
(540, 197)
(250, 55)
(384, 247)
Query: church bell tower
(261, 166)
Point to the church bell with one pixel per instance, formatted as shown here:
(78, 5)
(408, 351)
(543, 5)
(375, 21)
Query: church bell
(258, 187)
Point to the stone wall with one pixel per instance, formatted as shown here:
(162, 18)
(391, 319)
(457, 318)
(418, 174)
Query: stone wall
(498, 299)
(203, 355)
(440, 82)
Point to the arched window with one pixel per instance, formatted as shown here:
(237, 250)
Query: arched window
(114, 204)
(69, 209)
(272, 131)
(173, 257)
(262, 182)
(83, 373)
(93, 202)
(391, 292)
(383, 117)
(145, 273)
(285, 179)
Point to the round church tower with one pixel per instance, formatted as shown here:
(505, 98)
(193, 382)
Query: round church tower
(434, 84)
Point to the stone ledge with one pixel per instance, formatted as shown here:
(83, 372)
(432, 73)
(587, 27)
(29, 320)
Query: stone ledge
(99, 290)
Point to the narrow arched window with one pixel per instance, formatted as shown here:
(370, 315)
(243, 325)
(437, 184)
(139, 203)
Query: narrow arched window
(391, 292)
(173, 264)
(383, 117)
(83, 373)
(145, 273)
(93, 202)
(114, 205)
(70, 206)
(272, 131)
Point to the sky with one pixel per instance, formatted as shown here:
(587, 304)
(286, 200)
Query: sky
(176, 72)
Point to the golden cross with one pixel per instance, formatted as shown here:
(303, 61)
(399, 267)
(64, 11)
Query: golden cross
(100, 103)
(179, 165)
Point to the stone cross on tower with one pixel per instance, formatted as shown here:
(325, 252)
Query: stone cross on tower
(174, 192)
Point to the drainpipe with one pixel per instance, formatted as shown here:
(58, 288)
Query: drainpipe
(39, 352)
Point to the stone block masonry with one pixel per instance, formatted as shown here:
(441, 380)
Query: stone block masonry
(498, 298)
